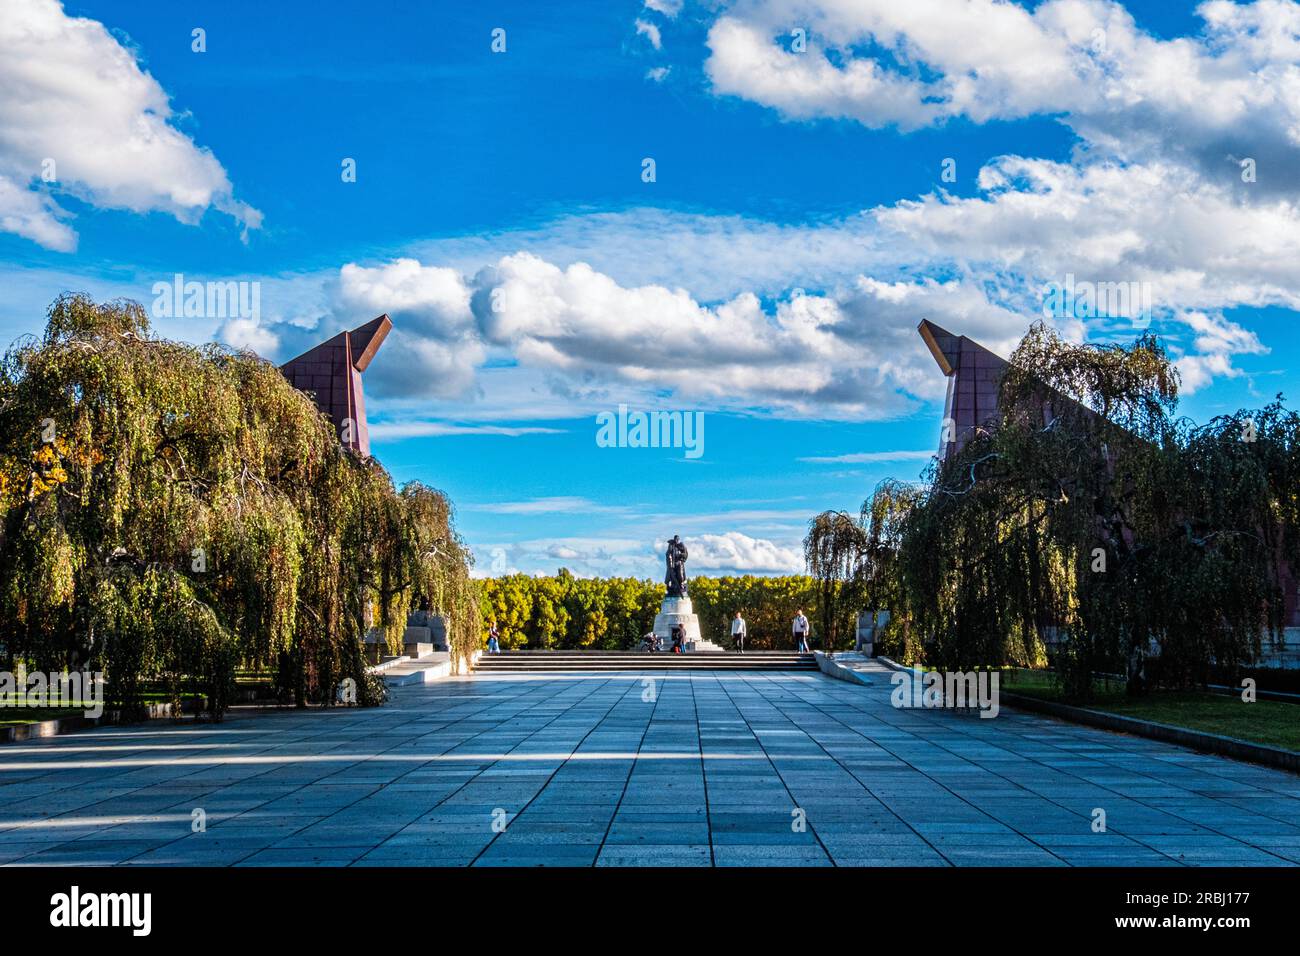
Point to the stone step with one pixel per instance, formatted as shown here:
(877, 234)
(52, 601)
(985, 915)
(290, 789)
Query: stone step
(620, 655)
(598, 658)
(602, 661)
(529, 652)
(757, 668)
(593, 660)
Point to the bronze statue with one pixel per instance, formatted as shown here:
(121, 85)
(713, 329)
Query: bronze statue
(675, 579)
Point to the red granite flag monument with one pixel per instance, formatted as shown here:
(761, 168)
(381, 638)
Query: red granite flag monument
(331, 374)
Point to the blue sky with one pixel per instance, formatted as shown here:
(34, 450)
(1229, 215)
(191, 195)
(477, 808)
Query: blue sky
(770, 278)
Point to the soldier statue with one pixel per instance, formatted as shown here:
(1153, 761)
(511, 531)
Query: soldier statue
(675, 579)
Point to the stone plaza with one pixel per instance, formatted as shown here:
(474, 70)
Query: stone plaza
(686, 768)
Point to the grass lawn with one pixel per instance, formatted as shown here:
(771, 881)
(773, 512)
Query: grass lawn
(1268, 722)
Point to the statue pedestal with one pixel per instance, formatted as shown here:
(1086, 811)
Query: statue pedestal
(677, 610)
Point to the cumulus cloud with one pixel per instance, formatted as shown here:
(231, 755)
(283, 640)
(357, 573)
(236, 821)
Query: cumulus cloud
(80, 117)
(1183, 179)
(849, 350)
(738, 553)
(1195, 248)
(431, 300)
(730, 553)
(1217, 339)
(852, 352)
(1196, 244)
(1227, 93)
(433, 350)
(248, 333)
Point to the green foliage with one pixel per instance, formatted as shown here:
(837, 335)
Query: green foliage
(437, 565)
(169, 513)
(1089, 523)
(835, 549)
(565, 612)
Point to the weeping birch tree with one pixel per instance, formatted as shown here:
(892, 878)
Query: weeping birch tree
(1089, 524)
(169, 513)
(834, 551)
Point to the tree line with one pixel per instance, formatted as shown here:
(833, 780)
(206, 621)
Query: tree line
(565, 612)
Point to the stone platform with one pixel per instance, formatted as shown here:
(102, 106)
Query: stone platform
(674, 611)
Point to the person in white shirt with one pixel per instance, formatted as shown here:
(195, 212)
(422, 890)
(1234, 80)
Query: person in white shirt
(801, 632)
(738, 633)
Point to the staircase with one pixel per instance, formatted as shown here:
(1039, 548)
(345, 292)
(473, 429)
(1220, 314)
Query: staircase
(512, 662)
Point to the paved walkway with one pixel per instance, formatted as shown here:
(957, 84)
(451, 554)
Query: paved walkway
(572, 770)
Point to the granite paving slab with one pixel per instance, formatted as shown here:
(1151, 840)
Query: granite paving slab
(719, 768)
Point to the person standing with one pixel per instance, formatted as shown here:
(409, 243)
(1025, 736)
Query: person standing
(738, 633)
(494, 639)
(800, 632)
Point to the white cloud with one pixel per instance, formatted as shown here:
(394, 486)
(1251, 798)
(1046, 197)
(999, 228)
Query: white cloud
(76, 98)
(429, 299)
(534, 337)
(247, 333)
(730, 553)
(669, 8)
(1216, 340)
(1213, 98)
(591, 315)
(433, 350)
(558, 504)
(583, 556)
(33, 215)
(398, 430)
(871, 457)
(852, 352)
(1197, 371)
(738, 553)
(1193, 240)
(650, 32)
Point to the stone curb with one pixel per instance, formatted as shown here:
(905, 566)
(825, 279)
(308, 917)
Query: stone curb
(434, 667)
(831, 668)
(45, 728)
(68, 725)
(425, 675)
